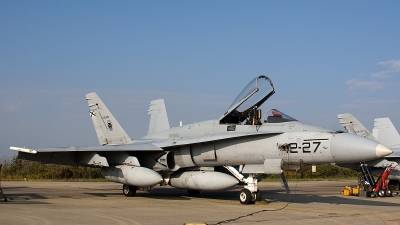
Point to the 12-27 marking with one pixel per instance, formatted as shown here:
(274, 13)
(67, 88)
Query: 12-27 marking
(307, 147)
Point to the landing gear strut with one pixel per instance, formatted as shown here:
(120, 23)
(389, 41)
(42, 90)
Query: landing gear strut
(129, 190)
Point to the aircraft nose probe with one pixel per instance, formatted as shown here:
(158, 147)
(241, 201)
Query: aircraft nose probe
(353, 148)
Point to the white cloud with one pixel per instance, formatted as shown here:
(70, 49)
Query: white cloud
(354, 84)
(382, 74)
(394, 64)
(367, 109)
(394, 67)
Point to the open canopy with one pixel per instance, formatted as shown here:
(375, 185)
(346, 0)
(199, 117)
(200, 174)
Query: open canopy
(246, 107)
(249, 100)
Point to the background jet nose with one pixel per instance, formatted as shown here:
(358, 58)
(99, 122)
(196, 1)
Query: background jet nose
(347, 148)
(382, 151)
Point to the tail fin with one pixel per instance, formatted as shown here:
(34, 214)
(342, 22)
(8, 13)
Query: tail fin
(108, 130)
(385, 132)
(158, 116)
(352, 125)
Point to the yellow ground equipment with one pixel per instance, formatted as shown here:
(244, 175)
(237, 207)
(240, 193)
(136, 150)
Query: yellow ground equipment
(350, 191)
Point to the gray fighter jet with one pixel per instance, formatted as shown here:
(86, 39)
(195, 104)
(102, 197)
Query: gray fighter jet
(383, 132)
(210, 155)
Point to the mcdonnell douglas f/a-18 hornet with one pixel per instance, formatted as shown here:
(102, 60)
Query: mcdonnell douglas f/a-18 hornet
(210, 155)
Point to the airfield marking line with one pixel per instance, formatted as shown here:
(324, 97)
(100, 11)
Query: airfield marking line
(386, 217)
(338, 212)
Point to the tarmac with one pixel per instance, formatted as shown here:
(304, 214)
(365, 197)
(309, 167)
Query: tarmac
(310, 202)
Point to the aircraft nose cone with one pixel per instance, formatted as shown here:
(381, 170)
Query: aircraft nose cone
(382, 151)
(348, 148)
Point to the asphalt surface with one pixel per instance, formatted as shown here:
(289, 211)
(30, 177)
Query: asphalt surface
(314, 202)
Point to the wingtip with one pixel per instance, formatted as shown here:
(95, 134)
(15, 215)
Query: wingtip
(24, 149)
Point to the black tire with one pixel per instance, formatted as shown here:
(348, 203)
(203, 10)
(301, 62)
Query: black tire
(193, 192)
(389, 193)
(258, 196)
(393, 185)
(128, 190)
(245, 196)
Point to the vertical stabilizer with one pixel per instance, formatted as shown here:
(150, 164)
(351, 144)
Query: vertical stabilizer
(352, 125)
(108, 130)
(385, 132)
(158, 116)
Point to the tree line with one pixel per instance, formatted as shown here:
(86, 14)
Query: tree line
(323, 172)
(18, 169)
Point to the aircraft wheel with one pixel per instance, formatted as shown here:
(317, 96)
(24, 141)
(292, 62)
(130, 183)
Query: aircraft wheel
(381, 193)
(245, 196)
(393, 185)
(193, 192)
(389, 193)
(258, 196)
(129, 190)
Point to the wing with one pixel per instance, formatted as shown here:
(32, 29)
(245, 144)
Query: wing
(138, 146)
(99, 156)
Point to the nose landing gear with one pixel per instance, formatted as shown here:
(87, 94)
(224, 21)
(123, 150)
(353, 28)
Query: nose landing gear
(250, 193)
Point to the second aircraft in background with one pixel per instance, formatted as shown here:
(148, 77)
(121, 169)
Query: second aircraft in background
(383, 132)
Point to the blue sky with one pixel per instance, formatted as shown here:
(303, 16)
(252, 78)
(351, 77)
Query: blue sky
(324, 57)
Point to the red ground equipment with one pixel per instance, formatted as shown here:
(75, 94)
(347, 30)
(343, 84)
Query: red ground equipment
(381, 186)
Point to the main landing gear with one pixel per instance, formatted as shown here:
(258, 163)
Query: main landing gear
(250, 193)
(129, 190)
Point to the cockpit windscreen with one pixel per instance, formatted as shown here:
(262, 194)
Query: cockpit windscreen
(276, 116)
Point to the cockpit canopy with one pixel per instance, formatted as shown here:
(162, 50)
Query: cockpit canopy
(276, 116)
(247, 103)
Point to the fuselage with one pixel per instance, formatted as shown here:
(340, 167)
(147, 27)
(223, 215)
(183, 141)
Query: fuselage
(209, 144)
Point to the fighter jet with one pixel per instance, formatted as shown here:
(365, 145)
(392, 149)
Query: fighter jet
(210, 155)
(383, 132)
